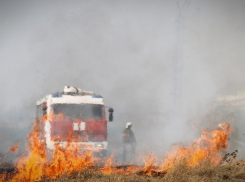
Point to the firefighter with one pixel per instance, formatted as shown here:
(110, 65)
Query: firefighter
(129, 143)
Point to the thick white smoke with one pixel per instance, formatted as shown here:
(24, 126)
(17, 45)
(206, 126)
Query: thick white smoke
(124, 51)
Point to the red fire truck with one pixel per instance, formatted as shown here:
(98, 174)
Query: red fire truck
(77, 113)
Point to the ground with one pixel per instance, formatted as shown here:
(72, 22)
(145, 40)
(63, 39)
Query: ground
(234, 171)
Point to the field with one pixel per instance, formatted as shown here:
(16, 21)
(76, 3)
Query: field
(201, 160)
(204, 172)
(232, 171)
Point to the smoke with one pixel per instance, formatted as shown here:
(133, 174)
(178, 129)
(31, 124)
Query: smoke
(124, 51)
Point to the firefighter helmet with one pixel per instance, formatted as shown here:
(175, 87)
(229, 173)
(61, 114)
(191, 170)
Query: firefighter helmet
(128, 125)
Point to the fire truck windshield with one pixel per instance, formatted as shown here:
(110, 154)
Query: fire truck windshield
(82, 111)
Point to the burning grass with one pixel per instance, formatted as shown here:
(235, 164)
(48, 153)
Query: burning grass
(180, 172)
(199, 161)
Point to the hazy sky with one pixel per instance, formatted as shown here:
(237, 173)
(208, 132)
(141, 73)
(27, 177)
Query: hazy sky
(125, 51)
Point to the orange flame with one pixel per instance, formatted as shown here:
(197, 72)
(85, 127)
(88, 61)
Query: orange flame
(208, 147)
(36, 166)
(150, 164)
(14, 148)
(3, 176)
(31, 168)
(109, 167)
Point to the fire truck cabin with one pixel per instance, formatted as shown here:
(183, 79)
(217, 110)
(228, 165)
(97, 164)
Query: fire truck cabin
(76, 115)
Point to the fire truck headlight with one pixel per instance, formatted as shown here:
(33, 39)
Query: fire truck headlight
(100, 145)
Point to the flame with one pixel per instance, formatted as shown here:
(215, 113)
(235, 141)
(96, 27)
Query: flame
(110, 166)
(31, 168)
(208, 147)
(14, 148)
(150, 164)
(3, 176)
(67, 160)
(36, 166)
(52, 116)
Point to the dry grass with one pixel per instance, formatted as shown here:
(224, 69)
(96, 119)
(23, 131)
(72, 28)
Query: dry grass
(204, 172)
(233, 171)
(94, 175)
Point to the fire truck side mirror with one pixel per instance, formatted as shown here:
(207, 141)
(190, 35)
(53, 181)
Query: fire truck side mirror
(110, 110)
